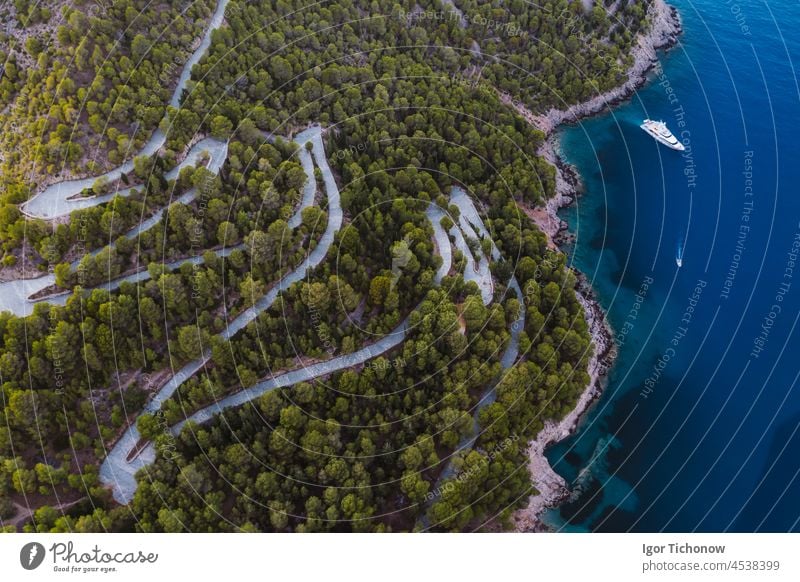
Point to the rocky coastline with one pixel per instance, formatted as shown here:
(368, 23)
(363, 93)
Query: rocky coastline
(665, 28)
(664, 31)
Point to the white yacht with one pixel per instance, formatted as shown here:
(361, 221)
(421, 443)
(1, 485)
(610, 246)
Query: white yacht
(658, 130)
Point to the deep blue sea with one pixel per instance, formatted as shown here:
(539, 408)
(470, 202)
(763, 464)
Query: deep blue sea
(699, 427)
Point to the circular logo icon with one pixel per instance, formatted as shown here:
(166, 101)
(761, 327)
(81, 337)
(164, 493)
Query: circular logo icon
(31, 555)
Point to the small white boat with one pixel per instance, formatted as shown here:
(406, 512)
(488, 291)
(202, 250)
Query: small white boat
(658, 131)
(679, 254)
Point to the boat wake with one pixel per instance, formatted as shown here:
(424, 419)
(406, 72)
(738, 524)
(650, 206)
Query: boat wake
(679, 252)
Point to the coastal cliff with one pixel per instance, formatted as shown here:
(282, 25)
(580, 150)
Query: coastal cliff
(665, 27)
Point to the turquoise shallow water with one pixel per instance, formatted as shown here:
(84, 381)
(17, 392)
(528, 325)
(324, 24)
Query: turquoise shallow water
(698, 427)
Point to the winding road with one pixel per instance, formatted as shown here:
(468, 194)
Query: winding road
(118, 472)
(15, 295)
(59, 199)
(468, 220)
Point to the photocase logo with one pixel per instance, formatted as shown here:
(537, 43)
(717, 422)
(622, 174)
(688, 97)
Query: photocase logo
(31, 555)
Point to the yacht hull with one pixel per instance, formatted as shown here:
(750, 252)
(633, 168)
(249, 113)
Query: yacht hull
(659, 132)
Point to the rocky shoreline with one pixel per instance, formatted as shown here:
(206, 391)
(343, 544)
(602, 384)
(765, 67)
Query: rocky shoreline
(552, 489)
(664, 32)
(551, 486)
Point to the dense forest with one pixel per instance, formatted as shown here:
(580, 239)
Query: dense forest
(412, 104)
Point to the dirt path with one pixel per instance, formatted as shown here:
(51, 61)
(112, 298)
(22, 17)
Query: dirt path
(24, 514)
